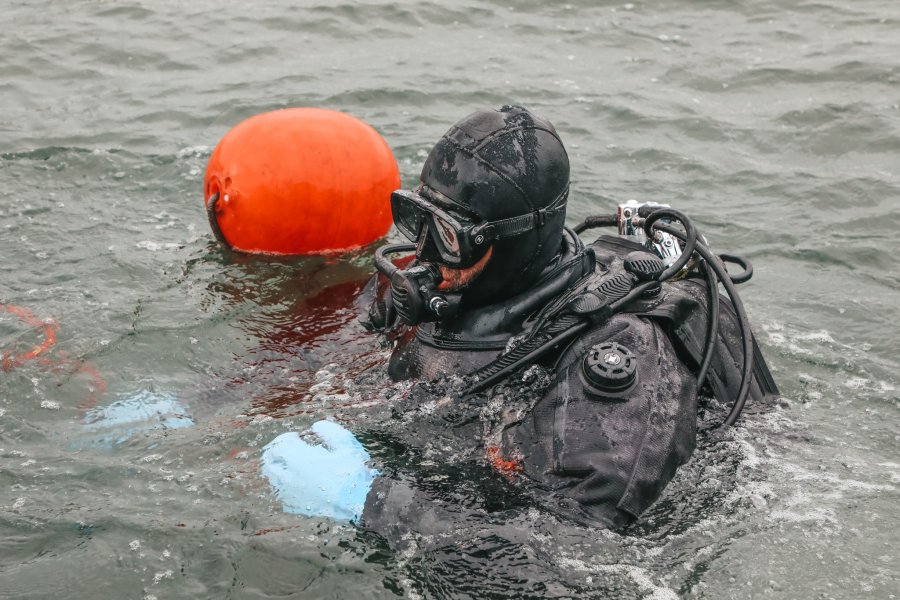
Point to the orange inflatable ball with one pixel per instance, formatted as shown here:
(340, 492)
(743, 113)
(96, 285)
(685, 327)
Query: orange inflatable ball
(300, 181)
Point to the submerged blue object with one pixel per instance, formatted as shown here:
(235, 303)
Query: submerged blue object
(328, 479)
(140, 412)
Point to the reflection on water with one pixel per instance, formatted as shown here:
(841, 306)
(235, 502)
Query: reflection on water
(301, 318)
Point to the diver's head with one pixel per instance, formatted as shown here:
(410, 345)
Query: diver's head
(489, 213)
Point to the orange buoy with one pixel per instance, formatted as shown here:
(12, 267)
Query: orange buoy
(300, 181)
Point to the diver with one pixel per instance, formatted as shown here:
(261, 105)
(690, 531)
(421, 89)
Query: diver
(625, 335)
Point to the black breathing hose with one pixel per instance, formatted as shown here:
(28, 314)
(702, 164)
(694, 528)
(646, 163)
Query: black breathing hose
(555, 333)
(524, 352)
(743, 263)
(712, 323)
(743, 324)
(381, 261)
(596, 221)
(689, 237)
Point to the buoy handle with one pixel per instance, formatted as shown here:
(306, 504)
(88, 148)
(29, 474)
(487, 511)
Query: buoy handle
(214, 220)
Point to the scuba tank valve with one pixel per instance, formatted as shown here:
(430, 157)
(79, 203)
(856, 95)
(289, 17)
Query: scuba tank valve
(630, 221)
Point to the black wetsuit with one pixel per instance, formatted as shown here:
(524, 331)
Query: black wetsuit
(597, 457)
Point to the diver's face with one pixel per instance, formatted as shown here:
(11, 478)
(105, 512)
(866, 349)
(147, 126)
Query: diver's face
(453, 280)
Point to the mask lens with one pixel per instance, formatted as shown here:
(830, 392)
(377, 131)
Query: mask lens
(408, 217)
(448, 236)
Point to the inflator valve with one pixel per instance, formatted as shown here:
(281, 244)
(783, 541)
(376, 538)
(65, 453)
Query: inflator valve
(609, 369)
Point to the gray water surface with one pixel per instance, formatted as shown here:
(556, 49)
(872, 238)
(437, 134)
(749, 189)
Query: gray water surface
(775, 125)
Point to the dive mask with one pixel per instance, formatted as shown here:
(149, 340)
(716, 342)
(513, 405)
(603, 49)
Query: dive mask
(426, 216)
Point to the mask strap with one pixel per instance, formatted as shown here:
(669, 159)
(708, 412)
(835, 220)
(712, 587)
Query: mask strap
(524, 223)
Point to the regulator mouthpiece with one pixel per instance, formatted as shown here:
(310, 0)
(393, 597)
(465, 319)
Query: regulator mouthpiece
(414, 290)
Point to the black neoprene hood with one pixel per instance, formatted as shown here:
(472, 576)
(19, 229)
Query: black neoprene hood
(499, 164)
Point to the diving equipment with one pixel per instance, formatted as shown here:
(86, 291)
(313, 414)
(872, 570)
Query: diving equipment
(414, 290)
(473, 338)
(629, 220)
(460, 240)
(595, 300)
(609, 370)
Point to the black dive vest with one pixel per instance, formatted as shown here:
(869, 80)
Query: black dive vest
(600, 457)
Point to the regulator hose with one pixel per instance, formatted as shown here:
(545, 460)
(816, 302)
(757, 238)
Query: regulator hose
(689, 237)
(381, 261)
(743, 324)
(712, 323)
(596, 221)
(743, 263)
(556, 332)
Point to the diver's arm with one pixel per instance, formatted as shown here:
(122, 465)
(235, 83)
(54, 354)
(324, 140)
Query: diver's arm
(327, 475)
(322, 473)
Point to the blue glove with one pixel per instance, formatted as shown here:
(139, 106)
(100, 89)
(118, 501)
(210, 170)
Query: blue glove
(330, 479)
(140, 412)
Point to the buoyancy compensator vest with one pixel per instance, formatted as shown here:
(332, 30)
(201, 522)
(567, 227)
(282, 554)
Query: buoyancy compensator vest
(582, 289)
(644, 275)
(620, 414)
